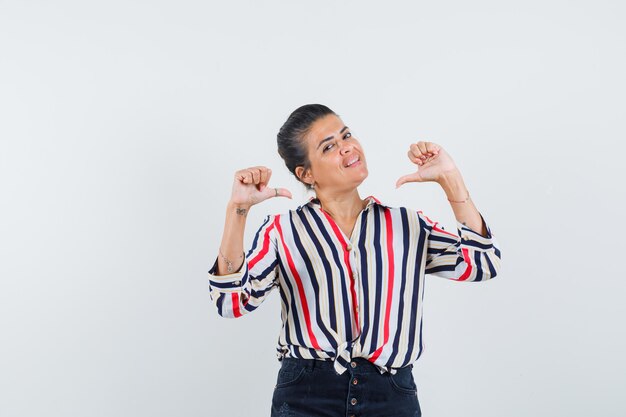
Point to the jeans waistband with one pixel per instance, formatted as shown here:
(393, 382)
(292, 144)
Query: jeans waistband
(362, 365)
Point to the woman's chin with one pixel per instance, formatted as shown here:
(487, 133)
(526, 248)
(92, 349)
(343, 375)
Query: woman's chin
(362, 177)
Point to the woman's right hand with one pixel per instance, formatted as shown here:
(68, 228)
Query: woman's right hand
(250, 187)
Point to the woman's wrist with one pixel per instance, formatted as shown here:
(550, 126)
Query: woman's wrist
(453, 185)
(238, 208)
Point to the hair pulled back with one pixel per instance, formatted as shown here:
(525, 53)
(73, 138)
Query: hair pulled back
(291, 144)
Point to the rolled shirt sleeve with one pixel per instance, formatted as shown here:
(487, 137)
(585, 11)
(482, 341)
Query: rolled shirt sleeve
(241, 292)
(467, 256)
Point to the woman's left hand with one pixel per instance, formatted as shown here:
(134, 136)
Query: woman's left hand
(432, 161)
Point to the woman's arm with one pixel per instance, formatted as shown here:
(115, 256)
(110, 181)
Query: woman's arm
(434, 164)
(249, 188)
(238, 285)
(464, 209)
(473, 255)
(242, 291)
(231, 248)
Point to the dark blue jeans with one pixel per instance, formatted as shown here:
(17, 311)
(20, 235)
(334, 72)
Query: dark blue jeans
(312, 388)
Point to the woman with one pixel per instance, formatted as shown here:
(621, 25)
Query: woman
(350, 271)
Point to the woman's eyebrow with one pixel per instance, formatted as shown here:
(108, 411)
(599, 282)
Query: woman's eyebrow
(330, 137)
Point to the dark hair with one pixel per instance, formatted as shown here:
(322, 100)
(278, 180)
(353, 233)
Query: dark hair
(291, 145)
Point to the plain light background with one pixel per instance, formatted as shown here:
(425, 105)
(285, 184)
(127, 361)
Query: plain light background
(122, 122)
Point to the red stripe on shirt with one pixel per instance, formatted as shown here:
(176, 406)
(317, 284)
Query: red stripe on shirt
(437, 228)
(294, 272)
(235, 300)
(373, 198)
(390, 275)
(257, 258)
(266, 246)
(468, 261)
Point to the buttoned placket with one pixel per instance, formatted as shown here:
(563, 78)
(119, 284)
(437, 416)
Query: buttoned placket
(353, 258)
(351, 248)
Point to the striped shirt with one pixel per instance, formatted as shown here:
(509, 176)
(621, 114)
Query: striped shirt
(358, 296)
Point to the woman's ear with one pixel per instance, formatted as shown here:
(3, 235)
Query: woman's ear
(304, 175)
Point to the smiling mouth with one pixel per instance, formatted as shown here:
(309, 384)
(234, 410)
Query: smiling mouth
(352, 162)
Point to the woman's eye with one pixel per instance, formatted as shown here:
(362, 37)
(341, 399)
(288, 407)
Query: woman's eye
(328, 147)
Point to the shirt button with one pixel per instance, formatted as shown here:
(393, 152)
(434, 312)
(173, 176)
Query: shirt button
(348, 247)
(353, 401)
(355, 381)
(353, 364)
(237, 282)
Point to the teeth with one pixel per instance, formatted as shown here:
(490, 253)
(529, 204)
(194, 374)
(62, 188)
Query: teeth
(352, 161)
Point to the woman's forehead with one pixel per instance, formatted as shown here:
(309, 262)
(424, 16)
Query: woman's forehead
(327, 126)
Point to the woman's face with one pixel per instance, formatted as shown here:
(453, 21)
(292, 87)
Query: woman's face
(337, 159)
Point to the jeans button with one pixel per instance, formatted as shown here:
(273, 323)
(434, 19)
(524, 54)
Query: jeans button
(355, 381)
(353, 401)
(353, 364)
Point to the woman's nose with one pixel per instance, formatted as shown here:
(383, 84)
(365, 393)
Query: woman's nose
(345, 148)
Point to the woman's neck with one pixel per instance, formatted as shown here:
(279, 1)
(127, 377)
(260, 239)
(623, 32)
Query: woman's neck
(343, 206)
